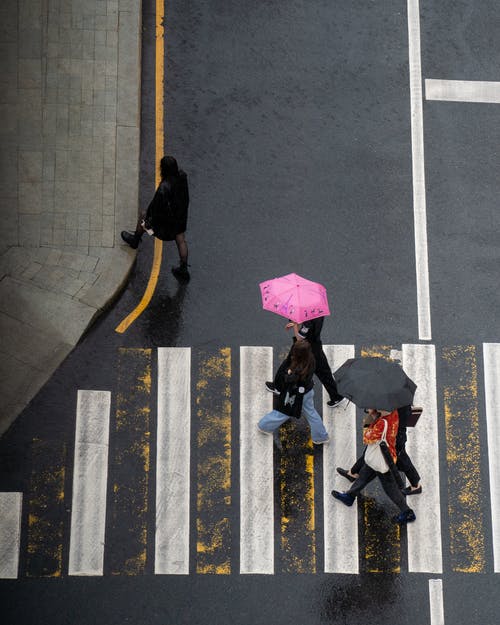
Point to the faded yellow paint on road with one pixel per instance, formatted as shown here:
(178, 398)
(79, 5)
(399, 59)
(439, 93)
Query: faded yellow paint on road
(130, 463)
(213, 504)
(46, 509)
(463, 456)
(297, 511)
(159, 151)
(380, 543)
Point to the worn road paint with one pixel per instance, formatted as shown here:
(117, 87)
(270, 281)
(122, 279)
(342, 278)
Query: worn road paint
(296, 488)
(380, 541)
(46, 509)
(463, 455)
(129, 468)
(213, 412)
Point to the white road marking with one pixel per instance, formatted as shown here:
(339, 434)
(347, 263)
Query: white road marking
(418, 170)
(340, 522)
(462, 91)
(256, 463)
(436, 601)
(173, 461)
(10, 534)
(491, 356)
(90, 477)
(424, 536)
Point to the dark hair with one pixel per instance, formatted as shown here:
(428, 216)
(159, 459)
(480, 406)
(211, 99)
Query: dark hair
(168, 167)
(302, 359)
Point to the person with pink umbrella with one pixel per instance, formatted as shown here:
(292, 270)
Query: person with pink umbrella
(305, 305)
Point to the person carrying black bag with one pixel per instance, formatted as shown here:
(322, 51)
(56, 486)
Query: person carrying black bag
(296, 395)
(167, 213)
(310, 331)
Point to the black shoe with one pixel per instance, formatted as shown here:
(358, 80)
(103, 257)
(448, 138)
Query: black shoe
(345, 474)
(335, 402)
(345, 498)
(181, 272)
(404, 517)
(131, 238)
(271, 388)
(411, 491)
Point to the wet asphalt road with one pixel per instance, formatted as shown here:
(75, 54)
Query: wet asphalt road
(293, 123)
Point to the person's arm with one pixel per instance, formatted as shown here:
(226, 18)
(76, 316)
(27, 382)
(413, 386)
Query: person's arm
(296, 329)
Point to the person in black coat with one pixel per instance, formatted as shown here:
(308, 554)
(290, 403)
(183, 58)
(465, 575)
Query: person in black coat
(167, 213)
(310, 331)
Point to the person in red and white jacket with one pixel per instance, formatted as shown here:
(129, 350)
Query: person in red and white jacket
(373, 433)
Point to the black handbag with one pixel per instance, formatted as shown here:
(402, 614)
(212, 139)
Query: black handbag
(291, 397)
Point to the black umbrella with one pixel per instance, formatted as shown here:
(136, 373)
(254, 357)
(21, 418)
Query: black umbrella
(373, 382)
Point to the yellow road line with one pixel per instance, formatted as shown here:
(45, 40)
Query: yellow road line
(463, 455)
(159, 150)
(381, 538)
(46, 510)
(213, 399)
(129, 466)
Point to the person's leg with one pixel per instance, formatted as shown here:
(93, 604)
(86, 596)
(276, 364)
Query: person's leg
(405, 465)
(134, 238)
(393, 491)
(271, 421)
(181, 272)
(324, 372)
(352, 473)
(318, 430)
(366, 475)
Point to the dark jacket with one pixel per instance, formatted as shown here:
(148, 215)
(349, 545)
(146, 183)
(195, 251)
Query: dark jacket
(168, 211)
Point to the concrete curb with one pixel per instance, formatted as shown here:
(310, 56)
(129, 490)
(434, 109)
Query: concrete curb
(65, 262)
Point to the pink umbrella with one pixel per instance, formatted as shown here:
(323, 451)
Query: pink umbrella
(294, 297)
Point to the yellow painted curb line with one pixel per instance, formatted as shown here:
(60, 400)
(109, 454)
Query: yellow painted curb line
(159, 75)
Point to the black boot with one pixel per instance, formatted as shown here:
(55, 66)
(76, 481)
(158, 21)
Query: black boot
(132, 238)
(181, 272)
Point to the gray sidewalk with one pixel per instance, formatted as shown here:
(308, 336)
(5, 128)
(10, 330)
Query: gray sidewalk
(69, 174)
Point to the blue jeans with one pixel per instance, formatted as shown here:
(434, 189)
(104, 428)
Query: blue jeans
(272, 420)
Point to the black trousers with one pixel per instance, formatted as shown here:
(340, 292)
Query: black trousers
(322, 371)
(392, 490)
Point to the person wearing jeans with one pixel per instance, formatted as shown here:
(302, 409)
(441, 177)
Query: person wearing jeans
(272, 420)
(297, 395)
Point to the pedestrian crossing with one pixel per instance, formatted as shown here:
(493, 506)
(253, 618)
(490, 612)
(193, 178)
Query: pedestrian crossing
(170, 476)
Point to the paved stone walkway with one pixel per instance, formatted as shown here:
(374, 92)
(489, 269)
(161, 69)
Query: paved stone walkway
(69, 173)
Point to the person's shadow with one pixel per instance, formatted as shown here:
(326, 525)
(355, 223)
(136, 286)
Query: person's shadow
(165, 317)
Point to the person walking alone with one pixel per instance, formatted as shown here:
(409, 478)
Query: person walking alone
(167, 213)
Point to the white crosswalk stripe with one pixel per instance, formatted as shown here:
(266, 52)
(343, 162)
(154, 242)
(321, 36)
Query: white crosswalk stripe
(341, 523)
(424, 536)
(257, 473)
(491, 356)
(256, 463)
(173, 461)
(10, 534)
(90, 473)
